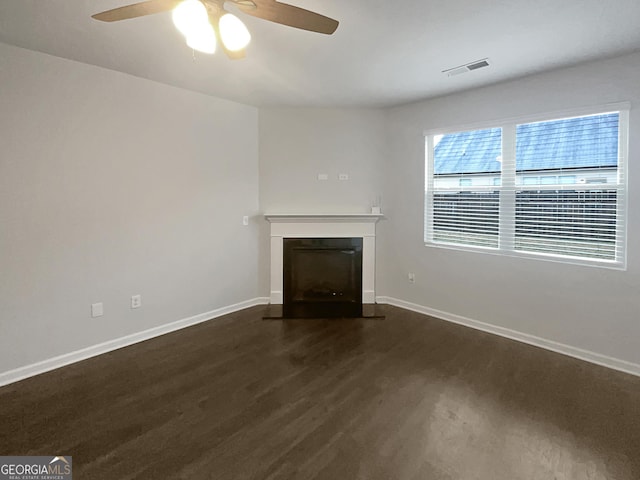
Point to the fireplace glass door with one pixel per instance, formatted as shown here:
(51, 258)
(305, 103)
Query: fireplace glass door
(322, 277)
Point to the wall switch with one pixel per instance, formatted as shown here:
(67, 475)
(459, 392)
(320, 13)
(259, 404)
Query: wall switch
(412, 277)
(245, 220)
(136, 301)
(343, 176)
(323, 176)
(97, 310)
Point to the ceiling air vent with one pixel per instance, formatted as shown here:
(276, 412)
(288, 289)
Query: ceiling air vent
(451, 72)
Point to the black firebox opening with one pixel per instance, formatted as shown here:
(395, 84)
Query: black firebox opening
(322, 277)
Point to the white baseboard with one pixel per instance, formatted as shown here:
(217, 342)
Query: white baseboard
(27, 371)
(592, 357)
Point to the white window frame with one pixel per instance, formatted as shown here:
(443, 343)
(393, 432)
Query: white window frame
(506, 234)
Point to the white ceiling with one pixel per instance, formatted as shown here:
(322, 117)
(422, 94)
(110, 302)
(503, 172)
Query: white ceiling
(383, 53)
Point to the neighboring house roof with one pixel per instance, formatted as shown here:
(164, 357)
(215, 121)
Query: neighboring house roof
(583, 142)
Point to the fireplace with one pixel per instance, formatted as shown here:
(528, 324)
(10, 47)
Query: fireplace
(323, 226)
(322, 277)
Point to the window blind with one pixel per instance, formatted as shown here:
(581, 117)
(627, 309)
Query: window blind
(547, 188)
(465, 199)
(575, 212)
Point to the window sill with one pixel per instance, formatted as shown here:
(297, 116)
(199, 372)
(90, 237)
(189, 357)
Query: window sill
(567, 260)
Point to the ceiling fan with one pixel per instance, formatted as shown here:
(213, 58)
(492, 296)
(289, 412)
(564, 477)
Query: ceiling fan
(205, 23)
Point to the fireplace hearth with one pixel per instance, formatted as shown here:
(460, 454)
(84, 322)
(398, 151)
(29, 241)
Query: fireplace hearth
(322, 277)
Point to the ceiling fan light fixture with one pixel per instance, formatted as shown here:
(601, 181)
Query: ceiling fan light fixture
(197, 19)
(203, 40)
(189, 17)
(233, 32)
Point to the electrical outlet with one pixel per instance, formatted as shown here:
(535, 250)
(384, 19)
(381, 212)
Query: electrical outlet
(412, 277)
(97, 310)
(245, 220)
(343, 176)
(323, 176)
(136, 301)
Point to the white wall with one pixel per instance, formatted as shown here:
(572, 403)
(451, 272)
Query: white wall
(584, 307)
(297, 144)
(110, 186)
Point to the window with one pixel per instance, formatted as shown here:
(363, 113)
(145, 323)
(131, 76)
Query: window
(553, 188)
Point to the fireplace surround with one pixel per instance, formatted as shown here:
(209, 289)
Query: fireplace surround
(311, 226)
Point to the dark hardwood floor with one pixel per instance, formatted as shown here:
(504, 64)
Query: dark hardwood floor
(405, 397)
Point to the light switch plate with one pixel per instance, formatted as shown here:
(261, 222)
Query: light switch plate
(136, 301)
(97, 310)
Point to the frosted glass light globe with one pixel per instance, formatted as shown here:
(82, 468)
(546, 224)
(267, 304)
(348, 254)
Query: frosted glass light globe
(190, 16)
(233, 32)
(203, 39)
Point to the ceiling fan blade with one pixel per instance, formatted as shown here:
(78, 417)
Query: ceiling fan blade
(290, 15)
(136, 10)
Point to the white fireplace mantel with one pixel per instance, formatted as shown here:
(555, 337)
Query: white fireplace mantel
(324, 225)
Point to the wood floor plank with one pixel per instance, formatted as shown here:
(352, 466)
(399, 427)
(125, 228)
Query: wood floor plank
(408, 397)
